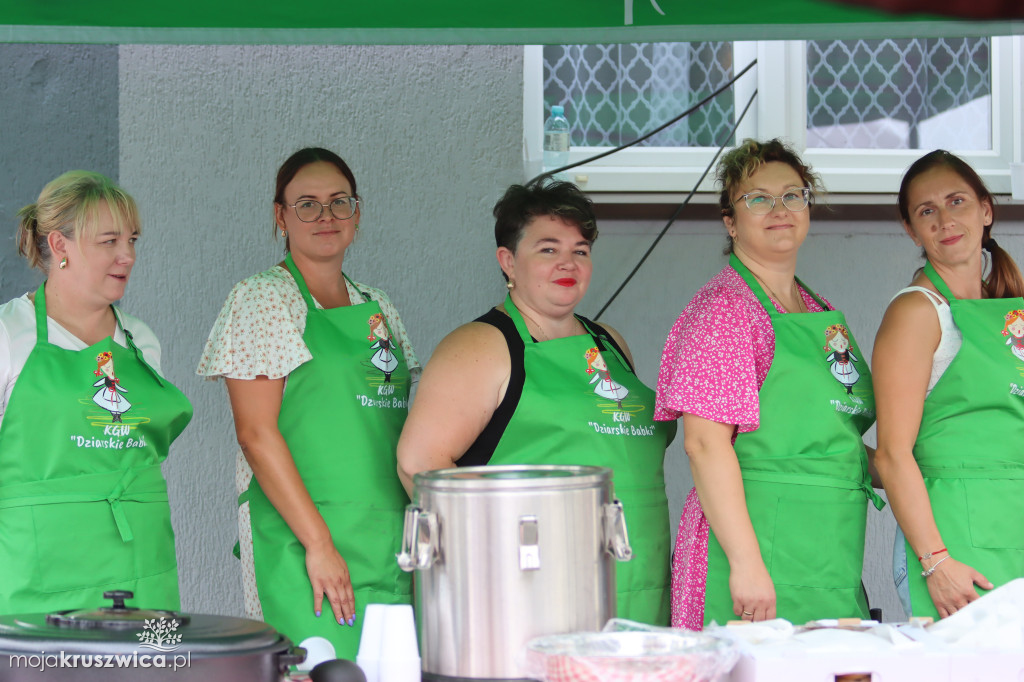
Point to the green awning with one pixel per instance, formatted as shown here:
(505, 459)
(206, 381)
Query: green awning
(385, 22)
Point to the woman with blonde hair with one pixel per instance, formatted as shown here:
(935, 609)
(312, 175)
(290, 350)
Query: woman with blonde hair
(83, 505)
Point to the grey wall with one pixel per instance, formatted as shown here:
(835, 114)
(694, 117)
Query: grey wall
(433, 135)
(58, 112)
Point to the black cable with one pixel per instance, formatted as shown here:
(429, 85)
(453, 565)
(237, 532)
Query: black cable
(681, 206)
(680, 117)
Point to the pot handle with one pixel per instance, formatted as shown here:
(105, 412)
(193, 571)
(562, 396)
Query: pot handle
(293, 656)
(615, 533)
(417, 524)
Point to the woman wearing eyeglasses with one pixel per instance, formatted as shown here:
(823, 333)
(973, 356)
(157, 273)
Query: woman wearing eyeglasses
(773, 396)
(317, 417)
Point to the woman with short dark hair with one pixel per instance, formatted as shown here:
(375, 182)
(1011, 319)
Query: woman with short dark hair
(532, 382)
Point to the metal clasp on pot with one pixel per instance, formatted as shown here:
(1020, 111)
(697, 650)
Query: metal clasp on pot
(529, 540)
(615, 533)
(419, 536)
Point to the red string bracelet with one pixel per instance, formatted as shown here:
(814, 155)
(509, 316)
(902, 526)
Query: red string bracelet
(929, 555)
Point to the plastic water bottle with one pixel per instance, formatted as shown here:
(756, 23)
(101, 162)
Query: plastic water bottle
(556, 139)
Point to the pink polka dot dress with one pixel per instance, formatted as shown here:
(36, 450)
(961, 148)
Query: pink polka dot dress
(715, 360)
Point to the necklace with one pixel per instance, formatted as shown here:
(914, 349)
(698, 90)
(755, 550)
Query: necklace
(801, 306)
(577, 327)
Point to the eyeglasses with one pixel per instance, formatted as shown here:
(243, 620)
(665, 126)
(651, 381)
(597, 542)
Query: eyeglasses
(310, 210)
(762, 203)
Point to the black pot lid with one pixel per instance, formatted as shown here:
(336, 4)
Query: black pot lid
(115, 617)
(117, 630)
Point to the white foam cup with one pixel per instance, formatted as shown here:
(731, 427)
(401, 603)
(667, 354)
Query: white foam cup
(399, 655)
(371, 641)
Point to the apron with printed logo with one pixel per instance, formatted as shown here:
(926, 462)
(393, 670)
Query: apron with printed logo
(83, 505)
(341, 415)
(805, 470)
(582, 406)
(968, 447)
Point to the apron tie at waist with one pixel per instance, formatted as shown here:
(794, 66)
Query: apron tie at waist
(863, 485)
(133, 485)
(1013, 473)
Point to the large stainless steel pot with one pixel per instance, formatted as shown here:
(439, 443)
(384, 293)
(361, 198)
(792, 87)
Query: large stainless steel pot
(116, 643)
(504, 554)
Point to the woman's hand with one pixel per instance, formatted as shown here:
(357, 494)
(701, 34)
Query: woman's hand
(951, 586)
(328, 574)
(752, 590)
(256, 404)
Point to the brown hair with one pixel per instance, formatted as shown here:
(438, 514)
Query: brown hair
(746, 159)
(69, 204)
(521, 204)
(299, 160)
(1004, 278)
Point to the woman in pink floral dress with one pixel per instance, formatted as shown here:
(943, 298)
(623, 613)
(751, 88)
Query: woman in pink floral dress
(773, 438)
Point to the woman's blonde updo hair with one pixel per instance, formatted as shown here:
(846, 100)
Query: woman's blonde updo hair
(746, 159)
(69, 204)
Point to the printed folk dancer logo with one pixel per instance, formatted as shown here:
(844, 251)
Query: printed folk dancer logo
(159, 634)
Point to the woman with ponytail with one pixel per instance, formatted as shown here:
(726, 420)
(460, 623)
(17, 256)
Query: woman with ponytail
(83, 504)
(948, 392)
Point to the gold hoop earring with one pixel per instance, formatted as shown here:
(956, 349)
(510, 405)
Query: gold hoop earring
(63, 263)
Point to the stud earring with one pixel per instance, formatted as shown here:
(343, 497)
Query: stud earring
(63, 263)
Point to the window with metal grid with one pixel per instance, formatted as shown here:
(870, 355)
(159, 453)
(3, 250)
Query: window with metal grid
(860, 94)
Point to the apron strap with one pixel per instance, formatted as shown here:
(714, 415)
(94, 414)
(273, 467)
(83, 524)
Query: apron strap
(936, 279)
(524, 333)
(148, 481)
(130, 340)
(758, 290)
(42, 333)
(299, 280)
(820, 481)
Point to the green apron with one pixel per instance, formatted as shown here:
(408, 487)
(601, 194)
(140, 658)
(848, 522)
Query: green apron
(83, 505)
(805, 471)
(575, 413)
(341, 416)
(968, 447)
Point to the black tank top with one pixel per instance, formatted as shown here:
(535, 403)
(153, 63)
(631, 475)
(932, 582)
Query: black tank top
(479, 453)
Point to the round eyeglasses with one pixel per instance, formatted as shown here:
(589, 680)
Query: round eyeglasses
(310, 210)
(762, 203)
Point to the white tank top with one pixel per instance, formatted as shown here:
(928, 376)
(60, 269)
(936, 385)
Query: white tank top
(950, 338)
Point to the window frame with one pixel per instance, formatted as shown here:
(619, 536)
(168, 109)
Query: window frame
(778, 114)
